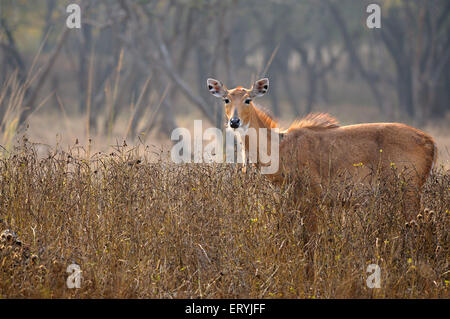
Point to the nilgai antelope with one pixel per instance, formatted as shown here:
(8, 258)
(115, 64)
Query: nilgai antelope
(318, 145)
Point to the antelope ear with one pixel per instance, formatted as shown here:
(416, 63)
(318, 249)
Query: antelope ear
(216, 88)
(259, 88)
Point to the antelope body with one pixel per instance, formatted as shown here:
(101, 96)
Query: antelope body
(319, 145)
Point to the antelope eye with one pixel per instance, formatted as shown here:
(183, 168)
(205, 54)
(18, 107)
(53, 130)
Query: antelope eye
(226, 101)
(247, 101)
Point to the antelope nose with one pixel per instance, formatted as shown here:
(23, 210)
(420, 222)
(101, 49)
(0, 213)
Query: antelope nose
(234, 122)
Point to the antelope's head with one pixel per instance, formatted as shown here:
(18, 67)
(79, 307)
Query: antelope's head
(238, 101)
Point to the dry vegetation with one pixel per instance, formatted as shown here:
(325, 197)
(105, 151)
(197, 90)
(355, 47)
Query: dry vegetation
(145, 229)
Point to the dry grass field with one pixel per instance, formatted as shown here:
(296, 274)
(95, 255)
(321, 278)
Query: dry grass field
(144, 229)
(86, 177)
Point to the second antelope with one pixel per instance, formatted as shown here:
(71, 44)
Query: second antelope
(317, 144)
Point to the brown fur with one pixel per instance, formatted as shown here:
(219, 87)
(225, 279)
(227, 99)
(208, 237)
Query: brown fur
(264, 117)
(315, 121)
(358, 153)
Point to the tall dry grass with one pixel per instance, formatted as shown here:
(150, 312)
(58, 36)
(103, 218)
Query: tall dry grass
(143, 229)
(12, 94)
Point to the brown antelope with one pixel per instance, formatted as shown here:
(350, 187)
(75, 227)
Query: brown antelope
(318, 143)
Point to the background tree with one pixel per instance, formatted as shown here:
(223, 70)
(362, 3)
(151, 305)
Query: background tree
(147, 61)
